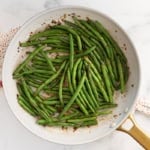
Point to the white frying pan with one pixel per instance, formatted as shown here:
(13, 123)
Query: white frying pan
(106, 124)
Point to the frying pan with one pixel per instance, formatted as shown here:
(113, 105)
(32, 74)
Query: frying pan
(121, 116)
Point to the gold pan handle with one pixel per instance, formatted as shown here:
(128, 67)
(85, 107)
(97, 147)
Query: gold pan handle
(135, 131)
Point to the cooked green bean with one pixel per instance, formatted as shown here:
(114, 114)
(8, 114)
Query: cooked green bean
(48, 61)
(74, 71)
(71, 58)
(120, 71)
(22, 65)
(81, 120)
(61, 85)
(74, 96)
(107, 82)
(50, 79)
(93, 97)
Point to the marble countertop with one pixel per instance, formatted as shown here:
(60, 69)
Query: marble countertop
(133, 16)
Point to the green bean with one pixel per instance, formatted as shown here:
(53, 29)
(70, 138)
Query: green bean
(69, 81)
(39, 58)
(89, 123)
(51, 102)
(86, 41)
(93, 87)
(47, 41)
(39, 67)
(63, 27)
(100, 50)
(66, 124)
(95, 61)
(107, 82)
(61, 86)
(104, 112)
(74, 96)
(52, 109)
(79, 70)
(48, 61)
(50, 79)
(82, 27)
(71, 58)
(25, 107)
(81, 120)
(110, 69)
(98, 36)
(91, 93)
(79, 101)
(70, 116)
(27, 93)
(104, 93)
(22, 65)
(57, 51)
(20, 90)
(94, 70)
(87, 100)
(107, 106)
(79, 43)
(83, 53)
(74, 71)
(45, 33)
(42, 75)
(121, 76)
(36, 77)
(45, 122)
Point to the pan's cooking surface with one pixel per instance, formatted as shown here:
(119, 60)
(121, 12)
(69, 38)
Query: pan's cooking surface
(106, 124)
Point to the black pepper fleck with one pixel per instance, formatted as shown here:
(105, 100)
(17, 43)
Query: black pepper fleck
(87, 18)
(73, 14)
(54, 21)
(115, 116)
(132, 85)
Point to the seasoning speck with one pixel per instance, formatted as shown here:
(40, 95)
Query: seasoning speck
(54, 21)
(65, 15)
(87, 18)
(74, 129)
(59, 23)
(132, 85)
(63, 19)
(115, 116)
(1, 85)
(73, 14)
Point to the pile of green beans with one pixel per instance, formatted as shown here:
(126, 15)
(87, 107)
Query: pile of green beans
(77, 84)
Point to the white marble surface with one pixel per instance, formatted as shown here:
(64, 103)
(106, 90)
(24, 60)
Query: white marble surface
(133, 16)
